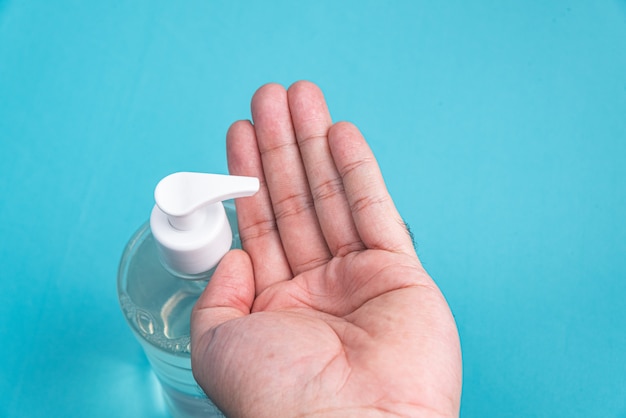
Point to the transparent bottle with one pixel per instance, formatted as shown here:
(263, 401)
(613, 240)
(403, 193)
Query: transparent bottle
(157, 292)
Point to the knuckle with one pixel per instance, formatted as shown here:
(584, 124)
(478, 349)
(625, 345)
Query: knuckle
(292, 205)
(328, 189)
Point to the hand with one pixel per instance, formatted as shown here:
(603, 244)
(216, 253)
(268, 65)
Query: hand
(328, 311)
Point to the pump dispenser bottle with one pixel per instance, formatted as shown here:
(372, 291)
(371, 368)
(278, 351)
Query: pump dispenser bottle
(166, 266)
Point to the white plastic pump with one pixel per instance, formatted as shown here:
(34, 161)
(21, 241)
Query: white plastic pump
(189, 222)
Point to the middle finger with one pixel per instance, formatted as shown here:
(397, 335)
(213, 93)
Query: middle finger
(300, 232)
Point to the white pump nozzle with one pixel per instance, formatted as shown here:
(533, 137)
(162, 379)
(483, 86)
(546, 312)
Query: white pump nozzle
(182, 195)
(189, 222)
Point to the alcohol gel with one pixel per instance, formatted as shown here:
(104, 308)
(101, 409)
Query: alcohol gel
(166, 266)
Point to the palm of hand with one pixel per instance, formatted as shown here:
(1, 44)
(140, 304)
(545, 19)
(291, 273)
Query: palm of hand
(348, 323)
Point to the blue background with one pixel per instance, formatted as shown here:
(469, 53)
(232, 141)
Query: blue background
(500, 128)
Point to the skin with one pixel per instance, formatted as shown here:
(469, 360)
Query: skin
(327, 311)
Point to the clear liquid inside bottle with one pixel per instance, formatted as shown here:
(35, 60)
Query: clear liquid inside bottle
(157, 305)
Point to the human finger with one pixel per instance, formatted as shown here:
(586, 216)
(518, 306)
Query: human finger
(376, 218)
(286, 180)
(257, 225)
(311, 121)
(228, 295)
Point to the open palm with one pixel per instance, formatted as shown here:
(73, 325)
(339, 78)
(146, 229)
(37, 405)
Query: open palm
(328, 311)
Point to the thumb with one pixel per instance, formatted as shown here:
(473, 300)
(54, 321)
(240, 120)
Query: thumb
(229, 294)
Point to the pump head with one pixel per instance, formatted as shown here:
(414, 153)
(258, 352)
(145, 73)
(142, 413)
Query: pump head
(189, 221)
